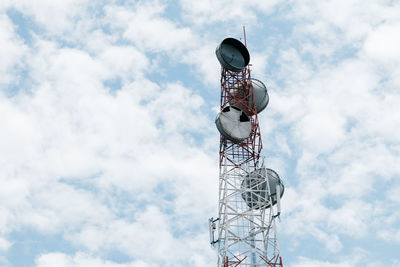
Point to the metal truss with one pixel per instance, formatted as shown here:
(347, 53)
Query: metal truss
(245, 236)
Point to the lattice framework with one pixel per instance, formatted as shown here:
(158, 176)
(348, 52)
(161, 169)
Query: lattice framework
(246, 237)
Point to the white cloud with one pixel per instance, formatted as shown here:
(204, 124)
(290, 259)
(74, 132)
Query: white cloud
(69, 132)
(178, 110)
(320, 132)
(144, 25)
(394, 194)
(355, 257)
(125, 62)
(335, 116)
(304, 262)
(151, 230)
(166, 37)
(58, 208)
(57, 18)
(4, 244)
(204, 62)
(207, 12)
(383, 42)
(4, 262)
(80, 260)
(348, 20)
(11, 53)
(259, 64)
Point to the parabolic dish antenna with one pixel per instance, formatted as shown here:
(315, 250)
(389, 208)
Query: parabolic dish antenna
(261, 97)
(242, 97)
(233, 124)
(255, 188)
(232, 55)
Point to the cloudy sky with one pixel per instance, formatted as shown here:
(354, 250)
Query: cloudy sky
(108, 149)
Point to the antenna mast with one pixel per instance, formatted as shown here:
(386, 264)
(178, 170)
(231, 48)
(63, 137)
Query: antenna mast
(245, 230)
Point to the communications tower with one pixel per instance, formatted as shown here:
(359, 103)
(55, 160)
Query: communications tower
(249, 193)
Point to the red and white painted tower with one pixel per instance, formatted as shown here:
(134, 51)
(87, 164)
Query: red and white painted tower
(249, 193)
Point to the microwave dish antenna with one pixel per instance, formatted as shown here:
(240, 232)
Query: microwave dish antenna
(233, 124)
(232, 55)
(261, 188)
(240, 97)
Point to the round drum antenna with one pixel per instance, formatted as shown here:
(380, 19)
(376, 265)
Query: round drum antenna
(261, 97)
(232, 55)
(257, 193)
(233, 124)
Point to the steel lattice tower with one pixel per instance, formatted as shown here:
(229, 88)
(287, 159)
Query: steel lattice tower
(245, 229)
